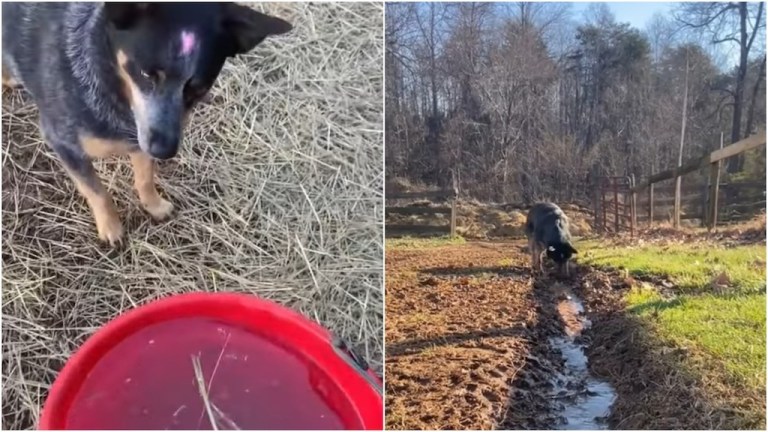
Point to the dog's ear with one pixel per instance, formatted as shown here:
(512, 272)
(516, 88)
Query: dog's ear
(249, 28)
(572, 249)
(124, 15)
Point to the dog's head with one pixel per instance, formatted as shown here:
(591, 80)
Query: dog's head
(169, 54)
(560, 252)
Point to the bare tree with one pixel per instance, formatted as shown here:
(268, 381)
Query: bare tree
(523, 102)
(738, 23)
(678, 181)
(760, 79)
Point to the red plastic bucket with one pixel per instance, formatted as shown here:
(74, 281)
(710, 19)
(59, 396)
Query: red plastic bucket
(187, 360)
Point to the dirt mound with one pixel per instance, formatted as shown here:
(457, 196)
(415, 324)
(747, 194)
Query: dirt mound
(488, 221)
(400, 185)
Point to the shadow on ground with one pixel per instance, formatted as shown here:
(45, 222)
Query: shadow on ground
(503, 271)
(414, 346)
(654, 386)
(530, 405)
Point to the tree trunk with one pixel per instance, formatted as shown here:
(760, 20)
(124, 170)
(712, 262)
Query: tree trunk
(755, 91)
(736, 162)
(679, 179)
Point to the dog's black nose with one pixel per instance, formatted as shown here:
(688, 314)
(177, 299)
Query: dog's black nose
(163, 145)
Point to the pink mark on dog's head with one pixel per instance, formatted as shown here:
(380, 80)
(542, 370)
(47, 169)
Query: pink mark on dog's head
(188, 42)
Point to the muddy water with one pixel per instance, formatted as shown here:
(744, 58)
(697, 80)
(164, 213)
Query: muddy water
(582, 399)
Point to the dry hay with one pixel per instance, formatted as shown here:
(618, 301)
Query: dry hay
(277, 193)
(476, 220)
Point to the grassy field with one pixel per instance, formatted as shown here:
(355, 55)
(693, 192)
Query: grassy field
(715, 309)
(692, 266)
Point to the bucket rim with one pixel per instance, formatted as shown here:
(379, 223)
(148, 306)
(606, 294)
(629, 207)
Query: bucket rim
(303, 336)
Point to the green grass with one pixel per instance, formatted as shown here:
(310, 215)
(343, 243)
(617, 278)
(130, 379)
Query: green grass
(690, 266)
(422, 243)
(727, 329)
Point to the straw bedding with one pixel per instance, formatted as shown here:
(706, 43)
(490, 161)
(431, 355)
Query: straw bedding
(278, 192)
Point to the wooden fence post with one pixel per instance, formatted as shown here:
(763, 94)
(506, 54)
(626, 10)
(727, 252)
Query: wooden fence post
(705, 202)
(676, 209)
(633, 209)
(650, 205)
(604, 205)
(615, 205)
(714, 181)
(596, 198)
(453, 217)
(453, 205)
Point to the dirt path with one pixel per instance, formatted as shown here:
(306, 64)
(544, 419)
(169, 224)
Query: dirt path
(457, 328)
(473, 341)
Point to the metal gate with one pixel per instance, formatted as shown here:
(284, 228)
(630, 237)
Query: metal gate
(615, 205)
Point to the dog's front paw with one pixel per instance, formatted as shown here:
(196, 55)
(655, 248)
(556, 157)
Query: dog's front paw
(159, 209)
(110, 229)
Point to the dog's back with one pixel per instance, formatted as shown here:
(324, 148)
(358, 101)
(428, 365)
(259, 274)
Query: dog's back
(547, 224)
(32, 44)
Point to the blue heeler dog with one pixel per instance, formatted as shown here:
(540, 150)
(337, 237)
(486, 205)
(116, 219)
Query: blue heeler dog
(547, 229)
(120, 78)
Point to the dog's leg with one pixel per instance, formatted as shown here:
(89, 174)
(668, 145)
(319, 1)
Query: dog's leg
(539, 253)
(108, 224)
(144, 181)
(532, 251)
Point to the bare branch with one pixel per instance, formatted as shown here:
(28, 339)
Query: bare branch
(756, 28)
(711, 19)
(727, 39)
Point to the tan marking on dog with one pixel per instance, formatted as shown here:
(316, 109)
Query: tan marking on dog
(101, 148)
(131, 90)
(536, 249)
(108, 224)
(144, 182)
(9, 81)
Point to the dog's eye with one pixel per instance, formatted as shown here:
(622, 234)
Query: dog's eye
(153, 75)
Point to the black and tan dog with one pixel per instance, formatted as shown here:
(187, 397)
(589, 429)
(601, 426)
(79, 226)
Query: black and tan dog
(547, 229)
(120, 78)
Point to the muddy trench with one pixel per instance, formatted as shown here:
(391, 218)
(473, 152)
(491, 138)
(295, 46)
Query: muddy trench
(556, 389)
(592, 366)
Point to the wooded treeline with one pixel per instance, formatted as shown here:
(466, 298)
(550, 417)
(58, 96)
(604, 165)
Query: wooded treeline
(525, 101)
